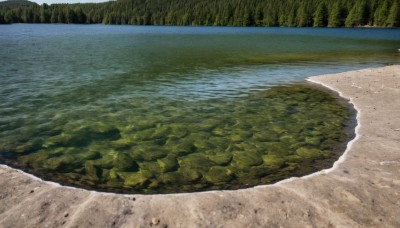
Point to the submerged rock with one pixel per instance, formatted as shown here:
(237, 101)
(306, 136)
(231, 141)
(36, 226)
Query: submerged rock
(148, 153)
(273, 161)
(221, 158)
(124, 162)
(168, 164)
(196, 161)
(310, 153)
(136, 179)
(188, 175)
(246, 159)
(218, 174)
(92, 170)
(185, 145)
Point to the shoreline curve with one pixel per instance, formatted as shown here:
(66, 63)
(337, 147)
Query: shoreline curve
(288, 202)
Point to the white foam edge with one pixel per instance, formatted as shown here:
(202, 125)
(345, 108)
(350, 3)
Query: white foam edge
(336, 164)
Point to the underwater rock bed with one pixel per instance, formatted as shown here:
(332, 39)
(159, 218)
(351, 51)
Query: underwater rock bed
(170, 146)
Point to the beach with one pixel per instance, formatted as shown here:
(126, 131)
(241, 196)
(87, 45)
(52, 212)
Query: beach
(360, 190)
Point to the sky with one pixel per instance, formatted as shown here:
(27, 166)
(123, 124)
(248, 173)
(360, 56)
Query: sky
(40, 2)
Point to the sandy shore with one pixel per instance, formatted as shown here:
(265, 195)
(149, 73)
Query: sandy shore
(361, 190)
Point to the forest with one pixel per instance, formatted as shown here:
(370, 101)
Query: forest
(287, 13)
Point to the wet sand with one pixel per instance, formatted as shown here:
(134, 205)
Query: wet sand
(361, 190)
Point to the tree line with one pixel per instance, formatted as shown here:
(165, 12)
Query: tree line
(290, 13)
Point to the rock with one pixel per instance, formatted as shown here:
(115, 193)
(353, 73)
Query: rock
(136, 179)
(236, 138)
(189, 175)
(29, 147)
(288, 139)
(218, 131)
(88, 155)
(154, 184)
(123, 143)
(259, 171)
(239, 136)
(207, 125)
(105, 162)
(144, 124)
(315, 141)
(179, 131)
(183, 147)
(62, 141)
(218, 174)
(196, 161)
(144, 135)
(219, 143)
(124, 162)
(310, 153)
(221, 158)
(273, 161)
(246, 159)
(168, 164)
(266, 136)
(155, 221)
(148, 153)
(92, 171)
(152, 167)
(171, 178)
(62, 163)
(277, 148)
(101, 131)
(161, 132)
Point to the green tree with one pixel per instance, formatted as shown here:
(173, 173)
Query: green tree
(291, 19)
(336, 17)
(381, 14)
(2, 21)
(258, 17)
(282, 20)
(303, 17)
(270, 18)
(393, 19)
(61, 17)
(358, 15)
(80, 17)
(44, 15)
(321, 16)
(300, 13)
(10, 17)
(54, 16)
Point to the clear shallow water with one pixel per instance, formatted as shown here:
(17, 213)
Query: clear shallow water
(136, 109)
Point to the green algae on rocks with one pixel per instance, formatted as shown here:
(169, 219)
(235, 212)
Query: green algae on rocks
(170, 146)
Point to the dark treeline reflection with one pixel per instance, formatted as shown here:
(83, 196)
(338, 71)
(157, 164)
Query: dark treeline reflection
(292, 13)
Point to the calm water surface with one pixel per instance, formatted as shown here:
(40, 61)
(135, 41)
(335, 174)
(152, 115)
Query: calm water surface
(175, 109)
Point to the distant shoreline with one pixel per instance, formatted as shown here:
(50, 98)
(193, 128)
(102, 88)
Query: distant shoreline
(271, 13)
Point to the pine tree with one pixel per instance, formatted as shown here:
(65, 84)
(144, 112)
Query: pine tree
(381, 14)
(303, 18)
(301, 13)
(358, 15)
(291, 19)
(54, 16)
(44, 15)
(321, 16)
(336, 16)
(393, 19)
(258, 17)
(61, 17)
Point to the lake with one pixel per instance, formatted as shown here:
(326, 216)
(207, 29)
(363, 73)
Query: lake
(149, 109)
